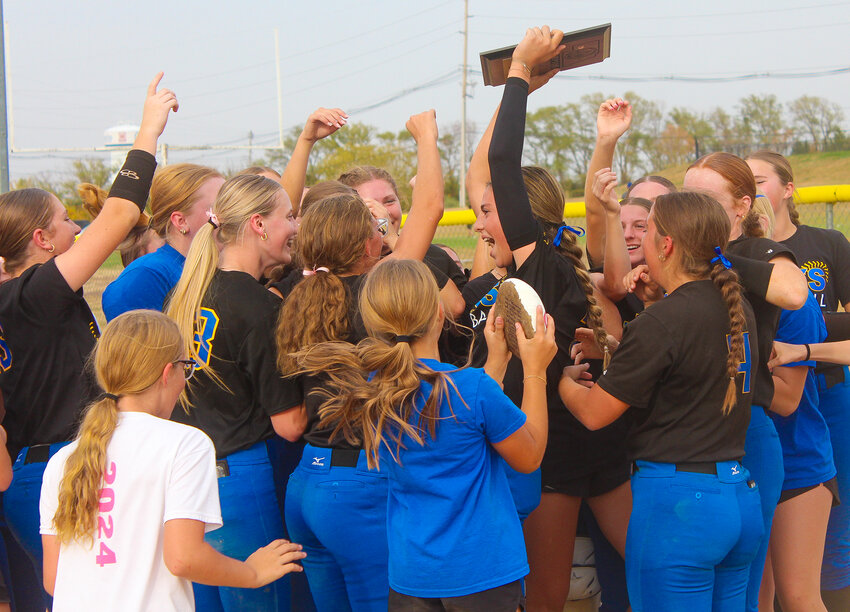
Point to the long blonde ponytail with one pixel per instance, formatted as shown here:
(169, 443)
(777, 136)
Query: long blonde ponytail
(129, 357)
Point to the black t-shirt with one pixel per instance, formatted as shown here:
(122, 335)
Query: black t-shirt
(824, 257)
(46, 334)
(767, 315)
(671, 369)
(572, 450)
(236, 335)
(442, 265)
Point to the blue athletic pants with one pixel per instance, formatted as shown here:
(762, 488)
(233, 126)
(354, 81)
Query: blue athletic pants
(764, 461)
(251, 517)
(339, 515)
(835, 407)
(692, 538)
(20, 505)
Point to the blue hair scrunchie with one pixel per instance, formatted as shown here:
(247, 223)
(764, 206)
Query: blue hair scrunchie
(578, 231)
(722, 259)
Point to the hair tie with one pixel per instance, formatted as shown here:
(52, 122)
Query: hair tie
(312, 272)
(212, 219)
(578, 231)
(402, 339)
(111, 396)
(726, 263)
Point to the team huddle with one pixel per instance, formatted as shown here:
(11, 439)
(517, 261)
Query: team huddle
(291, 385)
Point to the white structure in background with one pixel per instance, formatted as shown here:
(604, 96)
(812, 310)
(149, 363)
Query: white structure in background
(119, 139)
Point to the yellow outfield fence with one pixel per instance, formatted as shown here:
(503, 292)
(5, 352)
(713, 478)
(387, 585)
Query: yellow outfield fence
(821, 194)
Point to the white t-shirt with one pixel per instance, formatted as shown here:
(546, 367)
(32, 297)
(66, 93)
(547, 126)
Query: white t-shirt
(157, 470)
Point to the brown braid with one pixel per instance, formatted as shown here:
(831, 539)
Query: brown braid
(547, 205)
(698, 224)
(730, 288)
(570, 249)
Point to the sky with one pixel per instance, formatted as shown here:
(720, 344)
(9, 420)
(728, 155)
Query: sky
(76, 68)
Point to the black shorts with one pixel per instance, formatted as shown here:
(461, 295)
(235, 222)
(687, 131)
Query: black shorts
(831, 485)
(604, 479)
(505, 598)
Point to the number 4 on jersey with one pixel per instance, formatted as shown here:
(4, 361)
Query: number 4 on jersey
(745, 366)
(106, 555)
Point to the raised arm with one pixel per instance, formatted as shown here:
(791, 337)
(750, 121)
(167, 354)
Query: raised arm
(612, 121)
(616, 264)
(128, 195)
(426, 209)
(505, 154)
(323, 122)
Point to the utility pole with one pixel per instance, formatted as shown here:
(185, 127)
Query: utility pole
(462, 187)
(279, 95)
(4, 134)
(250, 145)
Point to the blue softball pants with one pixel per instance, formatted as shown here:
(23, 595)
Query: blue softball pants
(763, 459)
(692, 538)
(251, 517)
(339, 515)
(20, 505)
(835, 407)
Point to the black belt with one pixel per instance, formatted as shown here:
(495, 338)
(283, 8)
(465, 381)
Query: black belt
(696, 467)
(345, 457)
(39, 453)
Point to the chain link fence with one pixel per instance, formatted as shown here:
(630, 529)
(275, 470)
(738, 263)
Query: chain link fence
(818, 207)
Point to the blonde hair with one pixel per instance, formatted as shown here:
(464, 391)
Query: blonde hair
(547, 205)
(129, 357)
(399, 299)
(239, 199)
(358, 175)
(697, 223)
(332, 235)
(763, 208)
(22, 211)
(174, 189)
(137, 241)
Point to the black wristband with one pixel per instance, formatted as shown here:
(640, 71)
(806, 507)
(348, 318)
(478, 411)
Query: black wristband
(133, 181)
(754, 274)
(808, 353)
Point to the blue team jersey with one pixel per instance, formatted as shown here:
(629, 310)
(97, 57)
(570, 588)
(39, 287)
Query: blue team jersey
(145, 283)
(806, 446)
(452, 523)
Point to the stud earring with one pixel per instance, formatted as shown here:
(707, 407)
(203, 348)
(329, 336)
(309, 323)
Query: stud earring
(184, 231)
(661, 257)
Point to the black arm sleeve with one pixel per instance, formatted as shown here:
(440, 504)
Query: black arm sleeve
(837, 326)
(754, 274)
(505, 157)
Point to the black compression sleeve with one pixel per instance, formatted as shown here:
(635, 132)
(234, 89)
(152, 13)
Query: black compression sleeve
(754, 274)
(837, 326)
(133, 181)
(505, 157)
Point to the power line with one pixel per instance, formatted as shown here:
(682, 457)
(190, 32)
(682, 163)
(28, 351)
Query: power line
(695, 79)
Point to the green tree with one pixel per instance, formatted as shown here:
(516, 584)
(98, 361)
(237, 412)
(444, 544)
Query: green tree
(761, 121)
(818, 119)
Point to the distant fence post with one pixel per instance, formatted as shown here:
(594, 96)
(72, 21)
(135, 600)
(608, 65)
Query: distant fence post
(829, 210)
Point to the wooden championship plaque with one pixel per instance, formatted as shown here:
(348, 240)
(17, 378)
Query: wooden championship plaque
(583, 47)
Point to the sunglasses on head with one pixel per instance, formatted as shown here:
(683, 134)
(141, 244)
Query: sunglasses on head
(383, 226)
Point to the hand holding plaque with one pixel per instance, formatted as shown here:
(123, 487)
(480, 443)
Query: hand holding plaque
(579, 48)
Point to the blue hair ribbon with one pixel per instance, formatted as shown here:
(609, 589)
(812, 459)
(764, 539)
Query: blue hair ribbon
(722, 259)
(578, 231)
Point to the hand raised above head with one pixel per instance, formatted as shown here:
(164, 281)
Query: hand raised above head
(614, 118)
(157, 106)
(537, 46)
(423, 125)
(324, 122)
